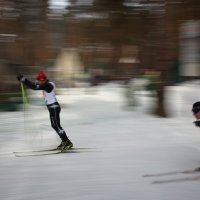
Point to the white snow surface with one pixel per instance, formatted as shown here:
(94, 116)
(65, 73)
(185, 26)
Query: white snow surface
(123, 144)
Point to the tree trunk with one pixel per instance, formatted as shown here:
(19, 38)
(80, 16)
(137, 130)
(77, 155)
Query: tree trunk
(160, 110)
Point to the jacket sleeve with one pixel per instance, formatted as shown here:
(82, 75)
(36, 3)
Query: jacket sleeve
(35, 86)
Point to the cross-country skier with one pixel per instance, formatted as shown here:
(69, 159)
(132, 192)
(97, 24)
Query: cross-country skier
(52, 104)
(196, 112)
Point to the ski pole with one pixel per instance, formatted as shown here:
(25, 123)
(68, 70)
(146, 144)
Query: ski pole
(24, 98)
(24, 101)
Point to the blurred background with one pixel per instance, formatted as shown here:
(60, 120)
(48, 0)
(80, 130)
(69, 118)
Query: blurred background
(148, 44)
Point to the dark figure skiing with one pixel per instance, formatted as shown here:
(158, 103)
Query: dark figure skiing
(196, 113)
(52, 104)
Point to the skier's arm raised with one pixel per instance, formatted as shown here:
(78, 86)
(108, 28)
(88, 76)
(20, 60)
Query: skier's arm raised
(35, 86)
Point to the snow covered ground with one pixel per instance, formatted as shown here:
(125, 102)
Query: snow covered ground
(122, 145)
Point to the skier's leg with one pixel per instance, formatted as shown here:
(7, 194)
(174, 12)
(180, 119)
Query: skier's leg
(55, 123)
(66, 143)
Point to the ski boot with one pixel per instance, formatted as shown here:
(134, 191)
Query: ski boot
(59, 147)
(66, 145)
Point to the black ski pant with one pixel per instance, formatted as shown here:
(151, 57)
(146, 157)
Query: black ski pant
(54, 111)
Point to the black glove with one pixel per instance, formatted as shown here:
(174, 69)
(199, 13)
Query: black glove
(197, 123)
(21, 78)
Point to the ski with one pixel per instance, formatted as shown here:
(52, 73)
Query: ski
(190, 171)
(176, 180)
(43, 153)
(54, 149)
(49, 152)
(32, 151)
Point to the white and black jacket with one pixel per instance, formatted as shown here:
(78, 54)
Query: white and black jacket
(48, 89)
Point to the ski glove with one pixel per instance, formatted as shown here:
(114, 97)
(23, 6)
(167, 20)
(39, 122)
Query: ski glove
(197, 123)
(21, 78)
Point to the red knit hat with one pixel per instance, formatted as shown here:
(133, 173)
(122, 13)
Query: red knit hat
(40, 76)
